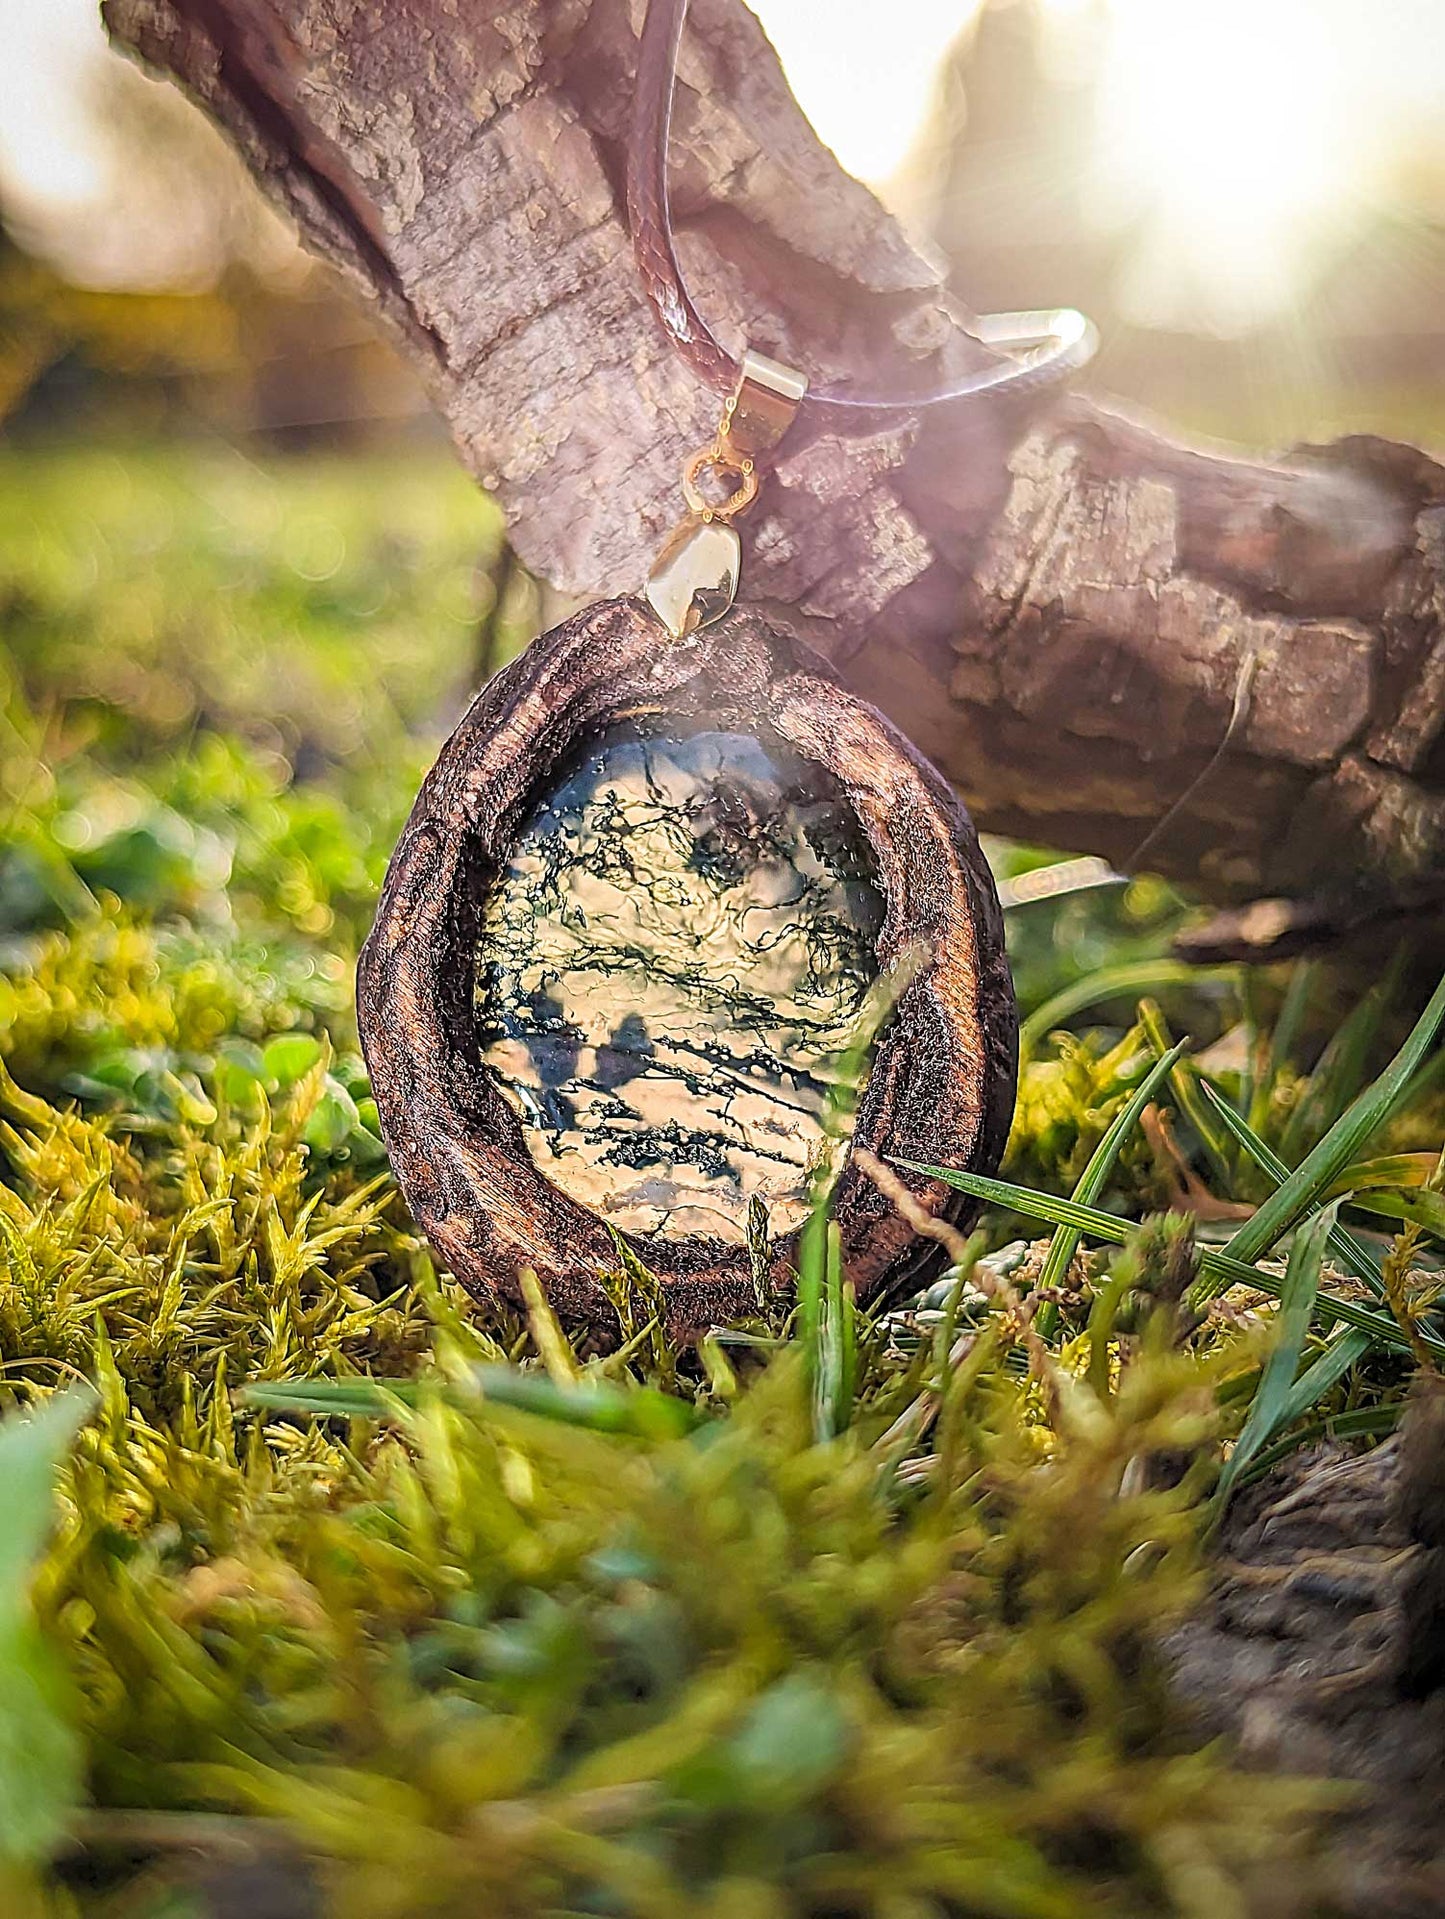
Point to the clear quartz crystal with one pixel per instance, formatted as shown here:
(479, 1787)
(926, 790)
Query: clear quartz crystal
(669, 968)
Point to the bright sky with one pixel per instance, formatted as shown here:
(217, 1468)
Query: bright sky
(864, 71)
(1236, 130)
(1238, 133)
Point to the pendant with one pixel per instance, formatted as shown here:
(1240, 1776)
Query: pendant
(660, 874)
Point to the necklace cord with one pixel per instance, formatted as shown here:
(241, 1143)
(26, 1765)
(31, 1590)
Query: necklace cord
(1035, 348)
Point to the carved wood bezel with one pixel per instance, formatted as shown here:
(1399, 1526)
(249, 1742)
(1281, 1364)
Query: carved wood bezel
(940, 1089)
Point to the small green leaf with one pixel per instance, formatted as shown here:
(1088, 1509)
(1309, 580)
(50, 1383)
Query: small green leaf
(792, 1741)
(333, 1119)
(31, 1448)
(290, 1057)
(40, 1756)
(239, 1072)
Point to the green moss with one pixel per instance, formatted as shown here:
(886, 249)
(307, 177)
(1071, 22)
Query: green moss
(587, 1636)
(476, 1659)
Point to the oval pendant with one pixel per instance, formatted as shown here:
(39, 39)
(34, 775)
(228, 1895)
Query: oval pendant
(632, 926)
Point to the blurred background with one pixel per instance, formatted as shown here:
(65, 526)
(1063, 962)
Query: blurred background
(1249, 196)
(244, 585)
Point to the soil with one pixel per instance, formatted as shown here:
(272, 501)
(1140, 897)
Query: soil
(1321, 1651)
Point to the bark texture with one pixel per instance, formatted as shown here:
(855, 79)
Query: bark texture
(1066, 610)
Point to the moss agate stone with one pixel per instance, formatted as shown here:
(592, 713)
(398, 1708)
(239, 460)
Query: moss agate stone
(670, 966)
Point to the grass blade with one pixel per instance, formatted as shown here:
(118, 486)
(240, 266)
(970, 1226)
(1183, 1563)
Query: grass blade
(1419, 1209)
(812, 1279)
(640, 1411)
(1358, 1422)
(1217, 1264)
(1341, 1067)
(331, 1398)
(1299, 1192)
(1292, 1012)
(40, 1751)
(31, 1448)
(815, 1240)
(1405, 1171)
(1112, 982)
(1356, 1255)
(1347, 1349)
(834, 1380)
(1254, 1041)
(1292, 1324)
(1282, 1039)
(1184, 1083)
(1101, 1163)
(1049, 1207)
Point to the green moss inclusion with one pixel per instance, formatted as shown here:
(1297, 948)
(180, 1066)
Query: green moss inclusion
(669, 967)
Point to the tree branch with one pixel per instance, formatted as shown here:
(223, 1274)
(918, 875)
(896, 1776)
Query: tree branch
(1069, 612)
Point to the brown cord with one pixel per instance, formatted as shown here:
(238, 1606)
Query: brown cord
(1051, 344)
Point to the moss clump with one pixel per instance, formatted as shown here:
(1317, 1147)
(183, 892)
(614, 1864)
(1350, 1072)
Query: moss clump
(476, 1658)
(829, 1620)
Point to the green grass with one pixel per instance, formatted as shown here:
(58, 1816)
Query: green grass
(305, 1559)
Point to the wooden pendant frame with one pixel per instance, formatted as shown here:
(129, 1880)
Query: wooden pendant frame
(941, 1086)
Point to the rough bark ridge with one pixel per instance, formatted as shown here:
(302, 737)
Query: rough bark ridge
(1065, 610)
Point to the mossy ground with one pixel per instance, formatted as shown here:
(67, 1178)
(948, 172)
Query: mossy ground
(831, 1617)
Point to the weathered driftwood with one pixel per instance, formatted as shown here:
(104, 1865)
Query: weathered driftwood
(941, 1086)
(1060, 606)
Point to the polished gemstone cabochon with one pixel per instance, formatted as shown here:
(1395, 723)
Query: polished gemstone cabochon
(670, 965)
